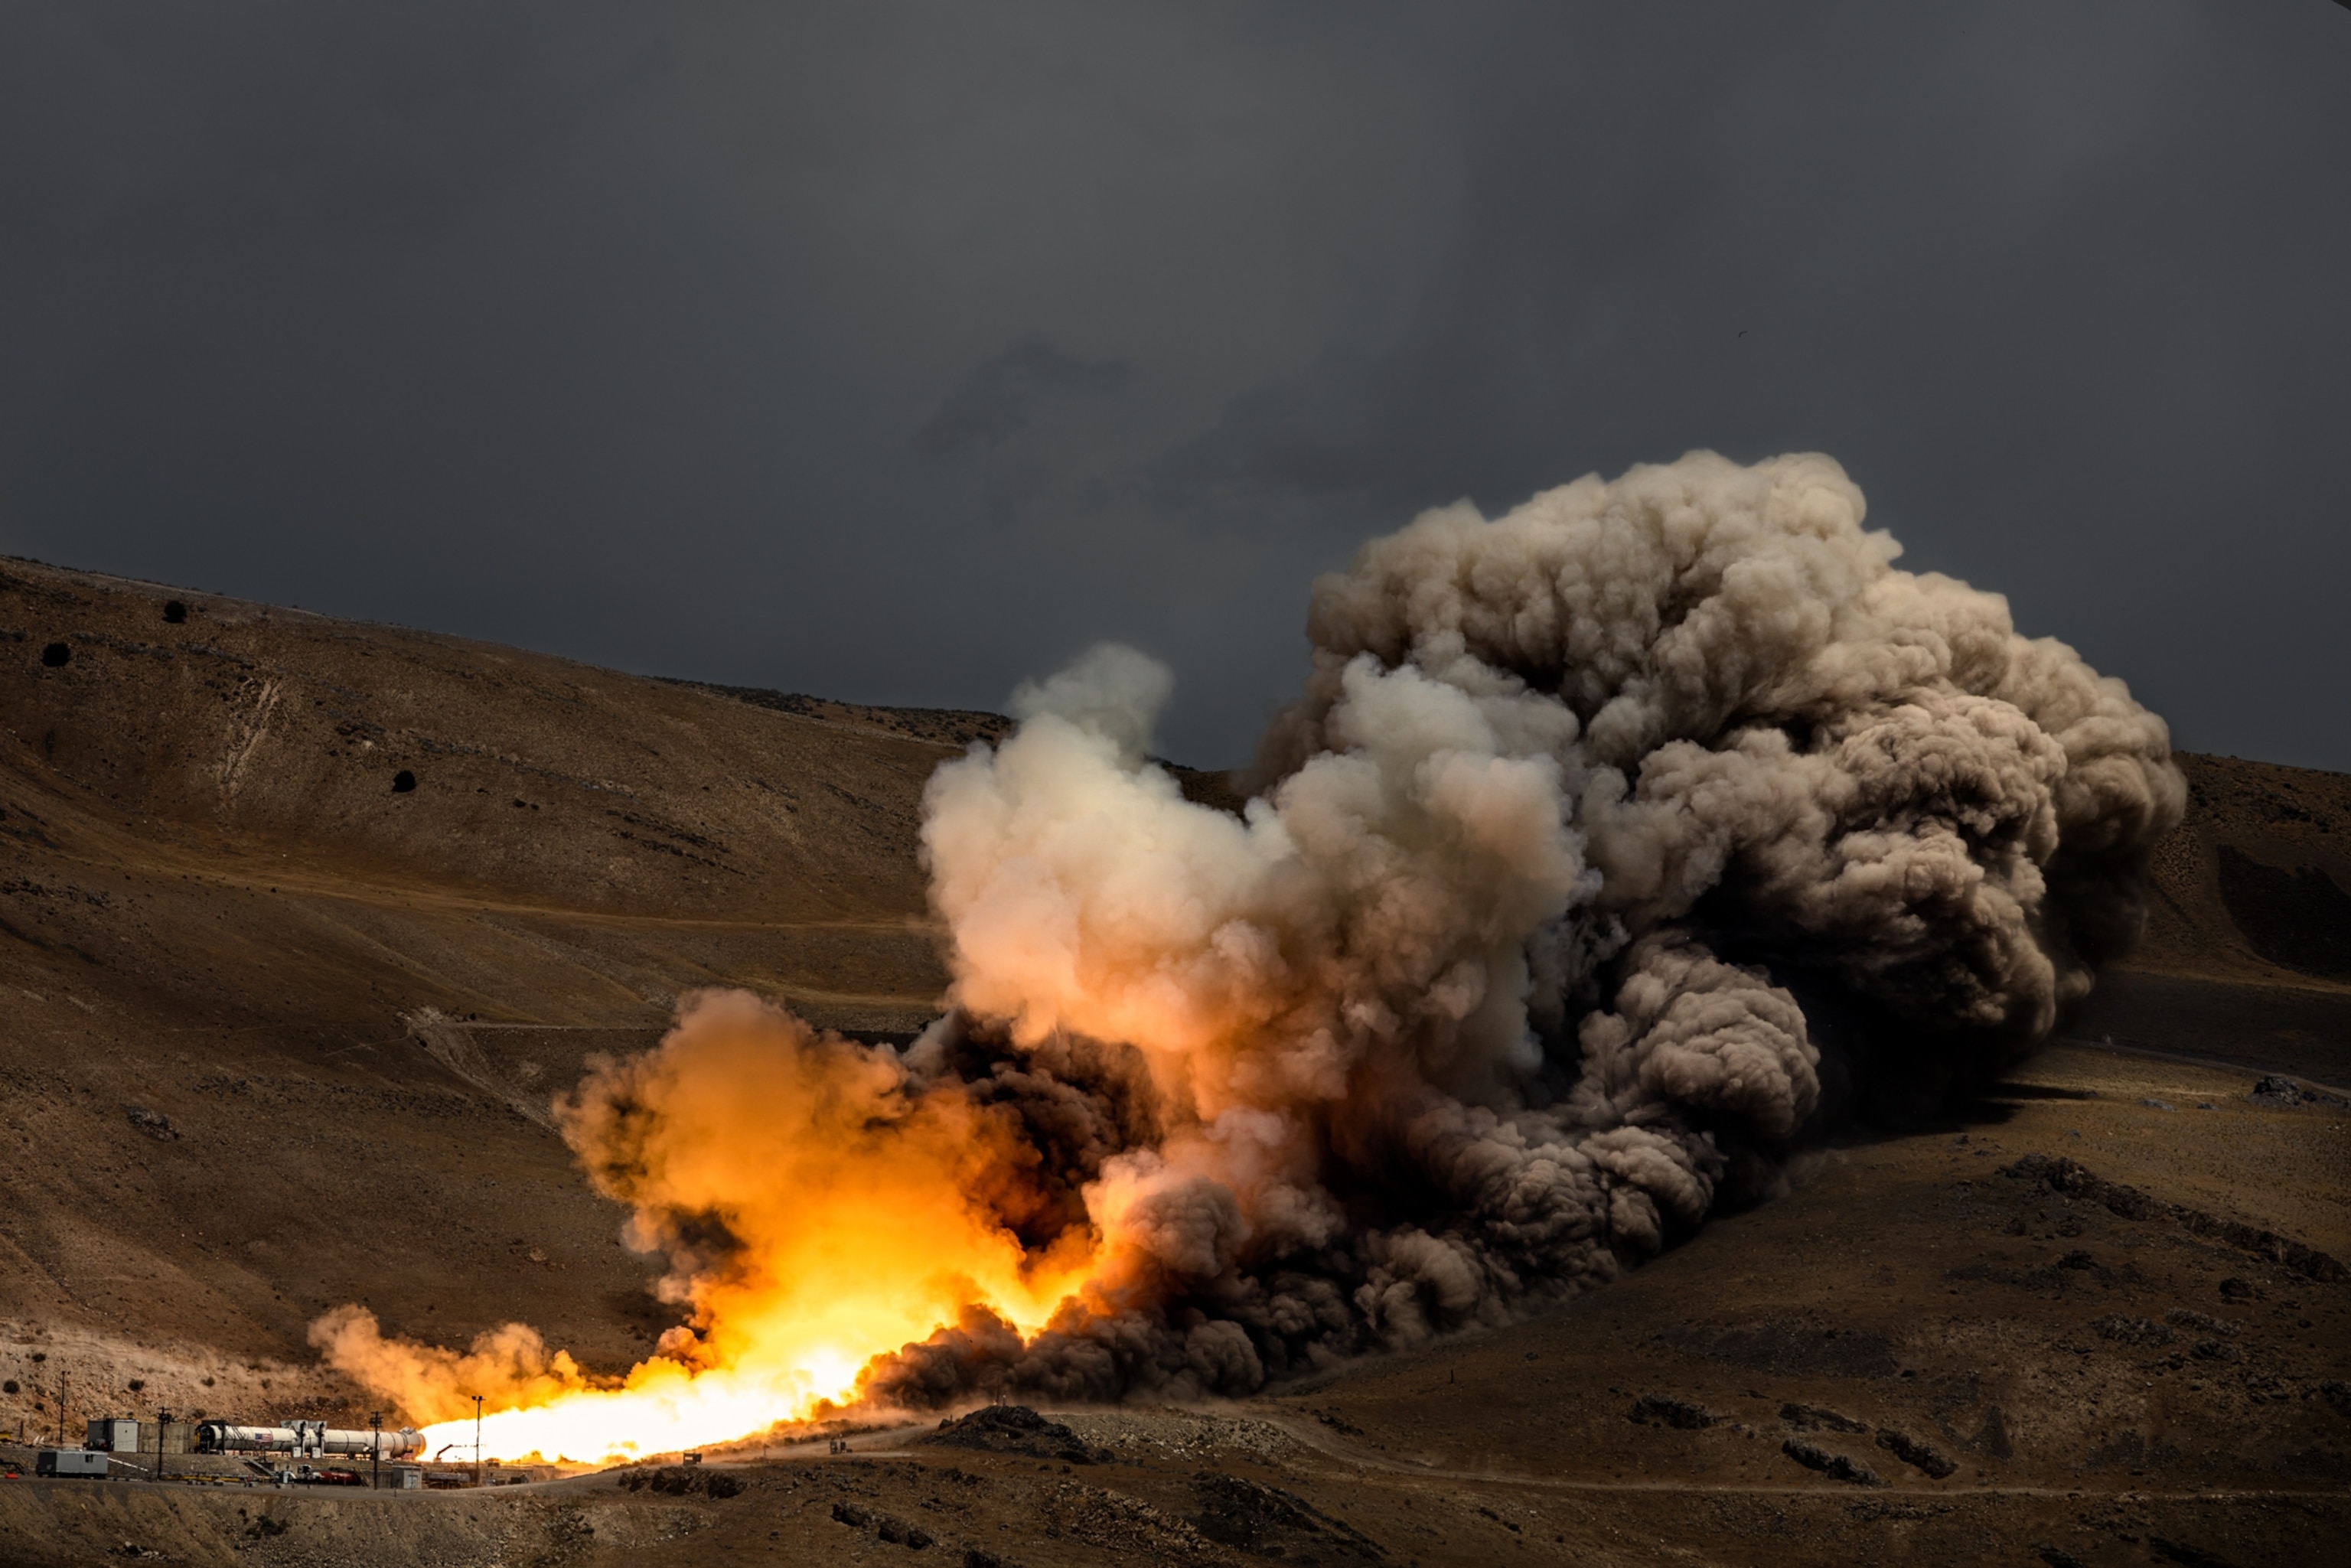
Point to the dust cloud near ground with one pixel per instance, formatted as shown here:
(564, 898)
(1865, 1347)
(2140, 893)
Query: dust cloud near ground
(278, 1033)
(1958, 1346)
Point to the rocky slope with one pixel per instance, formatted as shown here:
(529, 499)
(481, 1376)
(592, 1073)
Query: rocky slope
(2247, 956)
(303, 923)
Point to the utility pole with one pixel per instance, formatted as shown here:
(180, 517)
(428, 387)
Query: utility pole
(162, 1420)
(477, 1439)
(375, 1452)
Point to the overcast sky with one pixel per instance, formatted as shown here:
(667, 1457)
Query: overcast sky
(894, 353)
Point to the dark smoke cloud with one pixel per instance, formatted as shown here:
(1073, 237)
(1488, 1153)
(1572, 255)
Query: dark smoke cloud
(1495, 989)
(1615, 847)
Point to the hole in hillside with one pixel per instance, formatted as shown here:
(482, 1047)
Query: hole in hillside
(56, 654)
(403, 782)
(174, 611)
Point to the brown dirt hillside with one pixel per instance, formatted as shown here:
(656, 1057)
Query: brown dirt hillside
(303, 922)
(1944, 1348)
(276, 1034)
(2247, 956)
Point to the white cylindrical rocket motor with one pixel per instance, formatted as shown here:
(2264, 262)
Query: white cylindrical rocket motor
(308, 1438)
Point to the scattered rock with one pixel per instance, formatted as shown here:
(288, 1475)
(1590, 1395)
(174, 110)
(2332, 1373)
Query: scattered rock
(2279, 1090)
(403, 782)
(850, 1514)
(2057, 1556)
(1238, 1512)
(1812, 1418)
(1669, 1411)
(1916, 1454)
(2158, 1106)
(898, 1532)
(2132, 1331)
(56, 656)
(1243, 1513)
(155, 1124)
(2063, 1174)
(2263, 1389)
(1836, 1467)
(2187, 1319)
(1016, 1429)
(175, 612)
(2235, 1290)
(684, 1481)
(2218, 1350)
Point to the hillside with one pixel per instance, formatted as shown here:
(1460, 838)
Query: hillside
(280, 1031)
(2247, 956)
(303, 921)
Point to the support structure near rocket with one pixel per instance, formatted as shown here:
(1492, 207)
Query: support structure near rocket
(307, 1439)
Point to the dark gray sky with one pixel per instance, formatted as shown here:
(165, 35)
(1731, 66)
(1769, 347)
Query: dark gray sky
(897, 351)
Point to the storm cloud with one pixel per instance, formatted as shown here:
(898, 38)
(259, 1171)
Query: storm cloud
(894, 352)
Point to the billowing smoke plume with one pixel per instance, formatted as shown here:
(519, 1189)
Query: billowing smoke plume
(1496, 986)
(1614, 844)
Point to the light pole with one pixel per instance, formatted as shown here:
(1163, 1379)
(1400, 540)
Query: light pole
(477, 1439)
(162, 1420)
(375, 1451)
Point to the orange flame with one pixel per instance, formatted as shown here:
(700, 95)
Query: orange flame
(818, 1210)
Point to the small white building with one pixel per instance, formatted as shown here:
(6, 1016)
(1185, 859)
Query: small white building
(113, 1435)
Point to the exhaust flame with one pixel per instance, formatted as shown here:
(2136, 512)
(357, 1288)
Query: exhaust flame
(816, 1207)
(1614, 844)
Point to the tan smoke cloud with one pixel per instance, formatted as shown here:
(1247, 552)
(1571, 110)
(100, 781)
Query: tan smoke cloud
(1612, 842)
(1505, 943)
(508, 1366)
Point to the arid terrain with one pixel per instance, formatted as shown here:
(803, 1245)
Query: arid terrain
(304, 922)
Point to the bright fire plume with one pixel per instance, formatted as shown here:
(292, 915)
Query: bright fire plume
(816, 1208)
